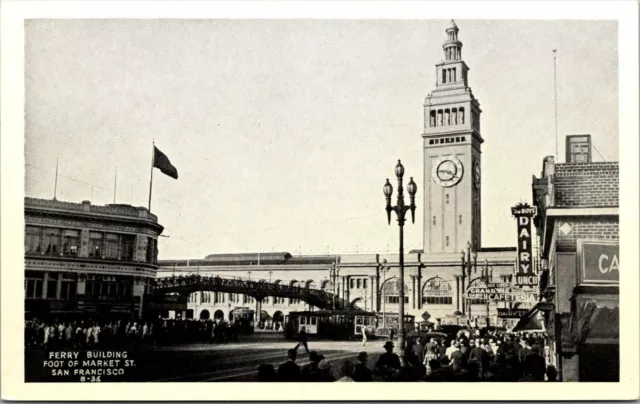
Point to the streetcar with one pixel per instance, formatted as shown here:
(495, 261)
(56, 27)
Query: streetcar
(389, 321)
(330, 324)
(243, 316)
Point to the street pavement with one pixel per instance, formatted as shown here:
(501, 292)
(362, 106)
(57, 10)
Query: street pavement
(240, 361)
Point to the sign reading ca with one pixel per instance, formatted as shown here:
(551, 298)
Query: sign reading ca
(599, 262)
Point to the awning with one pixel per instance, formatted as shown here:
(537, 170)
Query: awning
(532, 321)
(598, 318)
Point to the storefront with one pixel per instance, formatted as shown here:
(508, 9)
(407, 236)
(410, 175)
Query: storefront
(595, 322)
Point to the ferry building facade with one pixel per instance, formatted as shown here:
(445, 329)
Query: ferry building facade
(434, 282)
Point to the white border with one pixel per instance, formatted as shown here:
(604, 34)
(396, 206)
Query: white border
(12, 175)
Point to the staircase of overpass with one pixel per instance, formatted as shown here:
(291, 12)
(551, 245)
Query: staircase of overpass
(185, 285)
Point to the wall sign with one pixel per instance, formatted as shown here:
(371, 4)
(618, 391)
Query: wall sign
(567, 342)
(512, 313)
(546, 306)
(524, 267)
(599, 262)
(502, 296)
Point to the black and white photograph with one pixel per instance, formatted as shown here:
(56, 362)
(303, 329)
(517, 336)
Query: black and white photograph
(300, 199)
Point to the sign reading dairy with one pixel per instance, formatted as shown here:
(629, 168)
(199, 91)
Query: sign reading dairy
(599, 262)
(523, 214)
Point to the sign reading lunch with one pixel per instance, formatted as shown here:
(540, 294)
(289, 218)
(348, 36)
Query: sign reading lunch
(523, 214)
(600, 264)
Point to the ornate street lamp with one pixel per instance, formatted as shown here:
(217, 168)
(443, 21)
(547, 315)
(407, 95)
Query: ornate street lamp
(334, 273)
(401, 210)
(384, 269)
(467, 265)
(486, 276)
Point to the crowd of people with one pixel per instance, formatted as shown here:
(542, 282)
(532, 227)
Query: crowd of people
(506, 357)
(79, 334)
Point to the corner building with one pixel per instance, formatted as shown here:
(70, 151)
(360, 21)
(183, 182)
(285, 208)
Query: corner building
(87, 259)
(578, 228)
(451, 143)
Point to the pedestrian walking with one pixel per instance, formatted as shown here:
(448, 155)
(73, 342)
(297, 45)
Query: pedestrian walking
(364, 335)
(302, 338)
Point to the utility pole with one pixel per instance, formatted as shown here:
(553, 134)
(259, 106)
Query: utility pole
(555, 100)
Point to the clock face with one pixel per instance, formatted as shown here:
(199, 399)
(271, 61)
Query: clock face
(447, 171)
(476, 173)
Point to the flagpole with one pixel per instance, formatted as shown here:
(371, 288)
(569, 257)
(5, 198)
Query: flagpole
(115, 184)
(55, 185)
(153, 154)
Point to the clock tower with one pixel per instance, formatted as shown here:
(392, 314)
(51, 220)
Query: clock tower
(452, 140)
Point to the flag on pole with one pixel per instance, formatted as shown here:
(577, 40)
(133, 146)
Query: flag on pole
(161, 161)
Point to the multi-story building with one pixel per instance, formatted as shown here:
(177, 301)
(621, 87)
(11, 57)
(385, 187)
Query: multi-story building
(578, 228)
(434, 286)
(83, 258)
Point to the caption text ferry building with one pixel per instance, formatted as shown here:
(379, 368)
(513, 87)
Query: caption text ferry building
(452, 185)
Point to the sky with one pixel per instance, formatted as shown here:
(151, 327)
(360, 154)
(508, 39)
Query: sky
(284, 131)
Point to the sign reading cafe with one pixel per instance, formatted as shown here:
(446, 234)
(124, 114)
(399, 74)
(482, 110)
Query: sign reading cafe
(524, 270)
(599, 262)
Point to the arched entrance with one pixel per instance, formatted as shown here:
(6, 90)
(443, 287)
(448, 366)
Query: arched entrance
(205, 315)
(390, 291)
(356, 300)
(218, 314)
(231, 316)
(437, 291)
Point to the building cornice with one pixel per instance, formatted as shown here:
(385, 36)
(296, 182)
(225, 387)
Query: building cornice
(80, 265)
(91, 217)
(582, 211)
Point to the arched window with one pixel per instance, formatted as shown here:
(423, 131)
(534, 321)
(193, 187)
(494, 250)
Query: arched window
(437, 291)
(391, 291)
(432, 121)
(461, 116)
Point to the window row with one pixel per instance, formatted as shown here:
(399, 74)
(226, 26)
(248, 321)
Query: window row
(449, 75)
(111, 245)
(396, 299)
(66, 242)
(437, 300)
(52, 241)
(452, 53)
(446, 117)
(108, 289)
(64, 287)
(448, 140)
(357, 283)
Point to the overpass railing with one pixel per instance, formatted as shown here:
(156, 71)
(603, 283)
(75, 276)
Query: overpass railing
(257, 289)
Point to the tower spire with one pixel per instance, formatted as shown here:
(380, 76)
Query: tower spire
(452, 47)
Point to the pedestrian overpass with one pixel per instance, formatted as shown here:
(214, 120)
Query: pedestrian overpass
(185, 285)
